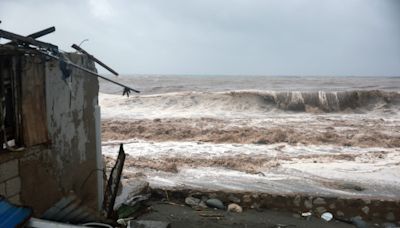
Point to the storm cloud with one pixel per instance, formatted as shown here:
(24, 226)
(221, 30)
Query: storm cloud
(239, 37)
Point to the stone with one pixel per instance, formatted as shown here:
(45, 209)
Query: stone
(339, 213)
(390, 217)
(233, 199)
(319, 201)
(233, 207)
(297, 201)
(365, 210)
(202, 204)
(191, 201)
(320, 210)
(389, 225)
(215, 203)
(358, 222)
(246, 199)
(308, 204)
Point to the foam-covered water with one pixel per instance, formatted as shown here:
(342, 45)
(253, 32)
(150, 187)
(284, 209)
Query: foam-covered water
(267, 134)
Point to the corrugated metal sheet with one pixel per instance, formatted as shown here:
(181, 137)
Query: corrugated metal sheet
(70, 209)
(11, 215)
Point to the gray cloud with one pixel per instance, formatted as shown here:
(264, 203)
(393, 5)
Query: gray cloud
(292, 37)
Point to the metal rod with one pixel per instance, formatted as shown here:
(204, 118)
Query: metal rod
(76, 47)
(91, 72)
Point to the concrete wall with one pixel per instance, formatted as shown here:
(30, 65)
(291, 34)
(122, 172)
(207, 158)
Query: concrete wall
(71, 161)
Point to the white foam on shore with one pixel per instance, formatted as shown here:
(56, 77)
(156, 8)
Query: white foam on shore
(302, 169)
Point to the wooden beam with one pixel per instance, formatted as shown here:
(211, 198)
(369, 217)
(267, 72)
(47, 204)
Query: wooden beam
(76, 47)
(27, 40)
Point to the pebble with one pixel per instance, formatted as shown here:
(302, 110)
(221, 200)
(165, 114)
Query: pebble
(215, 203)
(191, 201)
(233, 207)
(297, 201)
(358, 222)
(319, 201)
(365, 210)
(202, 204)
(233, 199)
(390, 217)
(308, 204)
(320, 210)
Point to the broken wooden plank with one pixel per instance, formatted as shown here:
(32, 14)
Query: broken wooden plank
(37, 34)
(26, 40)
(76, 47)
(113, 183)
(33, 99)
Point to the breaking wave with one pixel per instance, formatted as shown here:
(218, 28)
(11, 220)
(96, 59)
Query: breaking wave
(266, 101)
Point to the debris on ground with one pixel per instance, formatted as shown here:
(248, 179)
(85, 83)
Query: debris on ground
(215, 203)
(233, 207)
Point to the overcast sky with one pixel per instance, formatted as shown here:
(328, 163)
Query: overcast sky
(240, 37)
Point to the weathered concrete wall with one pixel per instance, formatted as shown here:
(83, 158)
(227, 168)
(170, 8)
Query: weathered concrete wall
(10, 182)
(71, 160)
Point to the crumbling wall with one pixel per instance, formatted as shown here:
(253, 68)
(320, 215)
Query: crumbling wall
(71, 160)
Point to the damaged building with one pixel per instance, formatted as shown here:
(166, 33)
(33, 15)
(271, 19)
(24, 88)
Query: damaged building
(50, 127)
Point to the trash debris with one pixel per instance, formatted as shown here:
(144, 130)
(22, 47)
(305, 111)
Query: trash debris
(215, 203)
(12, 215)
(327, 216)
(233, 207)
(306, 214)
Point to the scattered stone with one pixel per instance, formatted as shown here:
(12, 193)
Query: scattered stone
(389, 225)
(255, 206)
(246, 199)
(202, 204)
(297, 201)
(358, 222)
(215, 203)
(390, 217)
(320, 210)
(319, 201)
(327, 216)
(339, 213)
(191, 201)
(233, 207)
(308, 204)
(233, 199)
(365, 210)
(367, 201)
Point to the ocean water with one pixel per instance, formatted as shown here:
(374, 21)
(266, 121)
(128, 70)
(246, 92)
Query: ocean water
(158, 84)
(254, 133)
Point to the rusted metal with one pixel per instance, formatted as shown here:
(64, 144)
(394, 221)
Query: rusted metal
(113, 183)
(81, 50)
